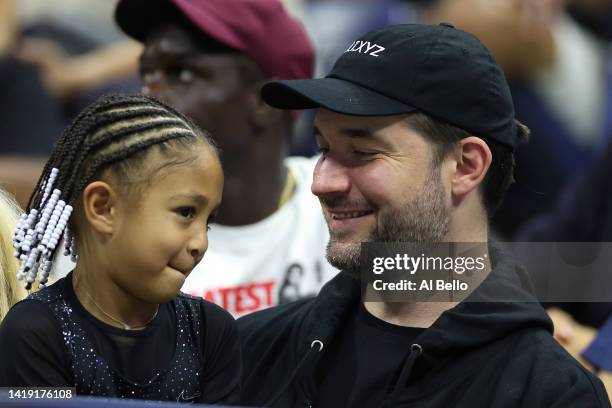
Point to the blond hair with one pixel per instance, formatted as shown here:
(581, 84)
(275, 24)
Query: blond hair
(10, 291)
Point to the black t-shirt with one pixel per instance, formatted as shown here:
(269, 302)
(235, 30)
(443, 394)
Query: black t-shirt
(363, 362)
(33, 350)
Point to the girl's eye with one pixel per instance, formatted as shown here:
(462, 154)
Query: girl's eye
(186, 212)
(323, 150)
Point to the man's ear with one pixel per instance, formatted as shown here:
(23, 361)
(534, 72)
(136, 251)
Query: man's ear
(262, 115)
(473, 158)
(99, 205)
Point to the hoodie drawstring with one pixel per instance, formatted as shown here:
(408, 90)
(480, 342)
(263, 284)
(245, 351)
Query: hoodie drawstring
(317, 347)
(415, 351)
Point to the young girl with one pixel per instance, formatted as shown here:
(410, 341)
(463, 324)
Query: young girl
(10, 291)
(131, 186)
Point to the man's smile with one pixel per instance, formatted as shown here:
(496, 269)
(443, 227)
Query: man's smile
(345, 220)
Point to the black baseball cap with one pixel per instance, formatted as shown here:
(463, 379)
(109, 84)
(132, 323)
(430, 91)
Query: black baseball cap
(435, 69)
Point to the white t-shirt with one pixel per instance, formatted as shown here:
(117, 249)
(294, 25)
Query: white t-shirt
(274, 261)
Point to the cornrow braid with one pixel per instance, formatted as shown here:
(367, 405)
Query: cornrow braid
(114, 130)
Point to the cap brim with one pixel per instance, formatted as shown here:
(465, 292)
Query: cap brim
(333, 94)
(137, 17)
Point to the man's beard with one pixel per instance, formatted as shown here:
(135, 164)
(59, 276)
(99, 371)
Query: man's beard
(425, 219)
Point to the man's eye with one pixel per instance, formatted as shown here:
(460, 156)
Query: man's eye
(185, 75)
(150, 76)
(185, 212)
(179, 74)
(362, 153)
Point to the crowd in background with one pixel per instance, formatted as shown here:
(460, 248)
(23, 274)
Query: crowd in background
(57, 56)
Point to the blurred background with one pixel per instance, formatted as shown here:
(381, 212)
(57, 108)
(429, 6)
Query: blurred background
(56, 56)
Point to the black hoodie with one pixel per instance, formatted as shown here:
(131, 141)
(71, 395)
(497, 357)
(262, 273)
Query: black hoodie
(477, 354)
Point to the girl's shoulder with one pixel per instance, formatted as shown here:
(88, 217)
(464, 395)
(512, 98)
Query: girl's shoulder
(34, 316)
(31, 315)
(211, 318)
(29, 331)
(207, 309)
(50, 294)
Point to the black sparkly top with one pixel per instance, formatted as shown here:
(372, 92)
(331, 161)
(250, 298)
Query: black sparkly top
(189, 352)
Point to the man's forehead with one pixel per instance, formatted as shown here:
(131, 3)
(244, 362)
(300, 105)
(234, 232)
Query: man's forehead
(355, 127)
(169, 39)
(174, 38)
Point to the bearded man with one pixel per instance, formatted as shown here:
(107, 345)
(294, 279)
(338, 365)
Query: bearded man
(417, 130)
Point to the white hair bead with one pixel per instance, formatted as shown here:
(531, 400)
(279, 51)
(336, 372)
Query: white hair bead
(48, 184)
(40, 230)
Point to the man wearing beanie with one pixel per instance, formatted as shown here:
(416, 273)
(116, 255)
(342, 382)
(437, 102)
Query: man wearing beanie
(417, 131)
(208, 59)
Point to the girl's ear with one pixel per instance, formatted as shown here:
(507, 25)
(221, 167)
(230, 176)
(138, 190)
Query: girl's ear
(99, 205)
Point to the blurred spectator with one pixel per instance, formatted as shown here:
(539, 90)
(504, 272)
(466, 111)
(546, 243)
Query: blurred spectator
(587, 345)
(599, 355)
(70, 77)
(30, 120)
(81, 53)
(55, 56)
(10, 291)
(561, 88)
(23, 96)
(595, 15)
(584, 214)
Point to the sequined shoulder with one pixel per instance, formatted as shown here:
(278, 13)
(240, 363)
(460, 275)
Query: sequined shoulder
(188, 297)
(190, 307)
(50, 294)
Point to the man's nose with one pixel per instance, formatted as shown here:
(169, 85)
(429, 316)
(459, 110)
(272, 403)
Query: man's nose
(330, 178)
(155, 84)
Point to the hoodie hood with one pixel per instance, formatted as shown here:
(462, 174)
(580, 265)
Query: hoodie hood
(484, 316)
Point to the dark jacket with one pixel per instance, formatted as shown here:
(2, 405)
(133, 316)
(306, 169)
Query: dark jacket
(478, 354)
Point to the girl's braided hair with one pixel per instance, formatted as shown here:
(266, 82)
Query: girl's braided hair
(113, 134)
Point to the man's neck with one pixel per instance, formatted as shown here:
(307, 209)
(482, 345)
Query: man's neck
(253, 187)
(424, 313)
(417, 314)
